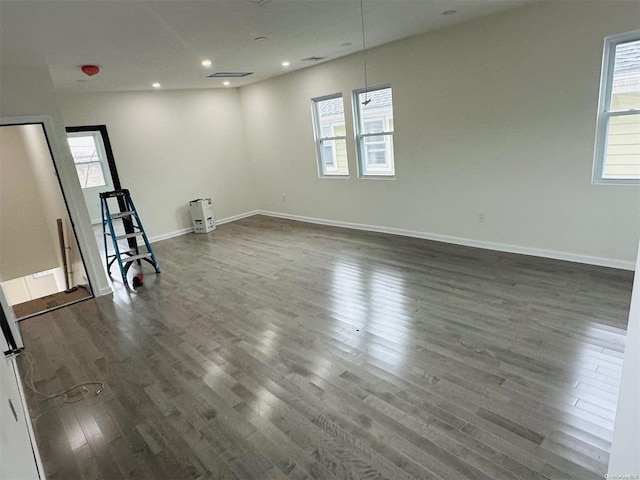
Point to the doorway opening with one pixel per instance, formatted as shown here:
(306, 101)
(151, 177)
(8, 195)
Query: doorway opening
(95, 165)
(96, 168)
(41, 265)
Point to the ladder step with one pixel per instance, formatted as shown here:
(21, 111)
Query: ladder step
(127, 235)
(125, 255)
(128, 213)
(133, 258)
(116, 193)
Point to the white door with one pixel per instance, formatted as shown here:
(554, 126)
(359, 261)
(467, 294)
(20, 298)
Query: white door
(17, 457)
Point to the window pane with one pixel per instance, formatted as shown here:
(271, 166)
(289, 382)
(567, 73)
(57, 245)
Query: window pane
(625, 89)
(88, 163)
(334, 157)
(378, 156)
(374, 126)
(377, 115)
(622, 157)
(83, 149)
(331, 116)
(375, 132)
(329, 124)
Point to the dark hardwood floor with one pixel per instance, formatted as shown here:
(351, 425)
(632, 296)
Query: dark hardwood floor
(272, 349)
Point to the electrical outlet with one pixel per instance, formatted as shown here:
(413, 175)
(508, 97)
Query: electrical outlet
(283, 197)
(481, 217)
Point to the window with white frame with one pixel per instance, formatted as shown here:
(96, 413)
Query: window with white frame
(373, 110)
(617, 152)
(331, 136)
(88, 157)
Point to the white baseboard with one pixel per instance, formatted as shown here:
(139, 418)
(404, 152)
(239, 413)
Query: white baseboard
(103, 291)
(501, 247)
(166, 236)
(184, 231)
(235, 218)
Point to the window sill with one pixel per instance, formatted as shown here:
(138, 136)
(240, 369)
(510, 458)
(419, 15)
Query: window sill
(376, 177)
(616, 181)
(336, 177)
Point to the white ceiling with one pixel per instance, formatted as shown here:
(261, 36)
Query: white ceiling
(136, 43)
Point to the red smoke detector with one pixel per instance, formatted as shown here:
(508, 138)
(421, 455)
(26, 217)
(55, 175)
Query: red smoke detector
(90, 70)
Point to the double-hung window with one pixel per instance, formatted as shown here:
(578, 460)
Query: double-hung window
(331, 136)
(617, 152)
(86, 149)
(373, 110)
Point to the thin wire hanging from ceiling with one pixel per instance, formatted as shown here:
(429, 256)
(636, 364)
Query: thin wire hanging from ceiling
(364, 57)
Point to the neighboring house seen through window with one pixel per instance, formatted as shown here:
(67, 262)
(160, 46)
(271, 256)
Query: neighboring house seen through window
(331, 135)
(88, 158)
(617, 152)
(374, 131)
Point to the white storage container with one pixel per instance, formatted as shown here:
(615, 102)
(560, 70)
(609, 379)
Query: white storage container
(202, 215)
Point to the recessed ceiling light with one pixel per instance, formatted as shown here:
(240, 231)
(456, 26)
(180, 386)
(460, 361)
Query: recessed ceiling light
(285, 64)
(260, 39)
(205, 63)
(226, 83)
(449, 12)
(155, 85)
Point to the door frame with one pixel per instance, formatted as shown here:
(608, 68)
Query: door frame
(76, 208)
(111, 162)
(113, 170)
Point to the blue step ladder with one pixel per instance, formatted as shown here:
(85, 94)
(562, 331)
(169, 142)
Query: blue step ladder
(132, 230)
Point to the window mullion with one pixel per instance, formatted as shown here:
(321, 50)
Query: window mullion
(362, 135)
(325, 139)
(620, 113)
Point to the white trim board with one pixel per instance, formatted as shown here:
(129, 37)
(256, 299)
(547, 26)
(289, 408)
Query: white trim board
(500, 247)
(166, 236)
(103, 291)
(240, 216)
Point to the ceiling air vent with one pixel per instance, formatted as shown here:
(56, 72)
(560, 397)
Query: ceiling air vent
(229, 74)
(312, 59)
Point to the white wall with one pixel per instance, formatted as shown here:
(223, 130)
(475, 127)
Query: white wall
(31, 203)
(28, 244)
(494, 116)
(27, 288)
(53, 206)
(171, 147)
